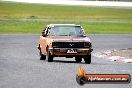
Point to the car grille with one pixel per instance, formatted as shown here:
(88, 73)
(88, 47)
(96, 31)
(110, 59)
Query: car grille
(70, 44)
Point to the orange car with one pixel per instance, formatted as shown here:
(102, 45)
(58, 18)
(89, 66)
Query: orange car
(65, 40)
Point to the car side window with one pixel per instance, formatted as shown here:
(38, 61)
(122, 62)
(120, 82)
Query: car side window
(45, 32)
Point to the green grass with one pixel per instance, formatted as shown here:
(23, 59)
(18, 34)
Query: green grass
(32, 18)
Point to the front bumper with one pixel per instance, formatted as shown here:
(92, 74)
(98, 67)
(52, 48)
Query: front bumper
(63, 51)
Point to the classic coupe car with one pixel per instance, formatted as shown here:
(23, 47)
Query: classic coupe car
(64, 40)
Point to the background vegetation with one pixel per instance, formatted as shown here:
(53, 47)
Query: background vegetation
(32, 18)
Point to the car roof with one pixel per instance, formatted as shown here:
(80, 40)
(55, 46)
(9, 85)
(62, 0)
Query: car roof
(62, 25)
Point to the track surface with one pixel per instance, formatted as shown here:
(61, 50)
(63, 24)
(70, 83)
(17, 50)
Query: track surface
(20, 66)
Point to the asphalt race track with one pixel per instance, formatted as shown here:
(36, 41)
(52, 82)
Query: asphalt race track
(20, 66)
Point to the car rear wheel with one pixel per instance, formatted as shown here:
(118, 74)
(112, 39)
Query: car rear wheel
(49, 57)
(87, 59)
(42, 57)
(78, 59)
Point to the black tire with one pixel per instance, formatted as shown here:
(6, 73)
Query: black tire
(42, 57)
(78, 59)
(87, 59)
(49, 57)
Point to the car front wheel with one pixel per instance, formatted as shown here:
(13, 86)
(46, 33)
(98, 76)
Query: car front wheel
(49, 57)
(87, 59)
(42, 57)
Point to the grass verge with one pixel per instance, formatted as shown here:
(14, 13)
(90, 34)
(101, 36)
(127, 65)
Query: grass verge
(31, 18)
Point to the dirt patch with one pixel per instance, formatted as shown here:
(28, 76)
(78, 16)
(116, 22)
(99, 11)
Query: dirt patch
(127, 53)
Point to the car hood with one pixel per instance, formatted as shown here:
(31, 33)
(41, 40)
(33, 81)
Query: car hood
(69, 39)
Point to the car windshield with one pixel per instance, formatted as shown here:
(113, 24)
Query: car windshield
(66, 31)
